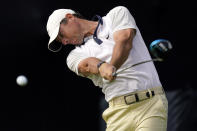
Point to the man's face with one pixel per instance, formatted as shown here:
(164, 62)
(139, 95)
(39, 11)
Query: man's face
(70, 32)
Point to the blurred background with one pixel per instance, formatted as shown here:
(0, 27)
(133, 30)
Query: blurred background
(55, 98)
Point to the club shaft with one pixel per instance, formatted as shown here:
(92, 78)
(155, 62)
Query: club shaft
(157, 59)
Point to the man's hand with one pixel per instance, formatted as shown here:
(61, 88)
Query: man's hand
(106, 71)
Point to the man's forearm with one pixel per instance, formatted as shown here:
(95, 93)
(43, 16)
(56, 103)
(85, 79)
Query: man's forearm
(89, 66)
(123, 44)
(120, 54)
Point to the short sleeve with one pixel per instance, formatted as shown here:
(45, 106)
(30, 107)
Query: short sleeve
(74, 58)
(121, 19)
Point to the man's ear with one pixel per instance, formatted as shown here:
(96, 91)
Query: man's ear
(68, 16)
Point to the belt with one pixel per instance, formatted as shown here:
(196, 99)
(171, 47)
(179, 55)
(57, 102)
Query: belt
(136, 96)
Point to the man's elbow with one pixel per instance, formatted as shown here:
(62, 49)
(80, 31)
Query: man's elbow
(125, 37)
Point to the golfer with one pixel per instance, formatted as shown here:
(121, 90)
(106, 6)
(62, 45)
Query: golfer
(103, 46)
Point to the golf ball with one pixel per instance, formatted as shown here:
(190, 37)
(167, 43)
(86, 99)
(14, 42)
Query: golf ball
(22, 80)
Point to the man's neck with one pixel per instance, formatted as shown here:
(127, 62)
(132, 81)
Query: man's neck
(89, 27)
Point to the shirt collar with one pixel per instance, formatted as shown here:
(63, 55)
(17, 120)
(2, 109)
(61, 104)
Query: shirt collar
(94, 36)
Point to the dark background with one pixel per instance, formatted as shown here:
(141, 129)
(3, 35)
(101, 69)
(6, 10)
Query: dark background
(55, 98)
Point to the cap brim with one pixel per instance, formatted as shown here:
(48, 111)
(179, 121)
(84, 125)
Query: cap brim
(53, 45)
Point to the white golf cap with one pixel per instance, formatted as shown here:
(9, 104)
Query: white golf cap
(53, 26)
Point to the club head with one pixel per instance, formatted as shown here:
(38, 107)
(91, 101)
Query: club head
(161, 48)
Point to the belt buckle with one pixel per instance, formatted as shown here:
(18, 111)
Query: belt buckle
(148, 94)
(136, 99)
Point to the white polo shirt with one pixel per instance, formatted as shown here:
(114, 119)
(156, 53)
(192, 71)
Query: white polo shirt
(137, 78)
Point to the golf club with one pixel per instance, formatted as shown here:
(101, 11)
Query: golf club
(159, 48)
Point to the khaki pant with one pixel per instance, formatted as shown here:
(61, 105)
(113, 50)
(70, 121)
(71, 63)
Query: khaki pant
(145, 115)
